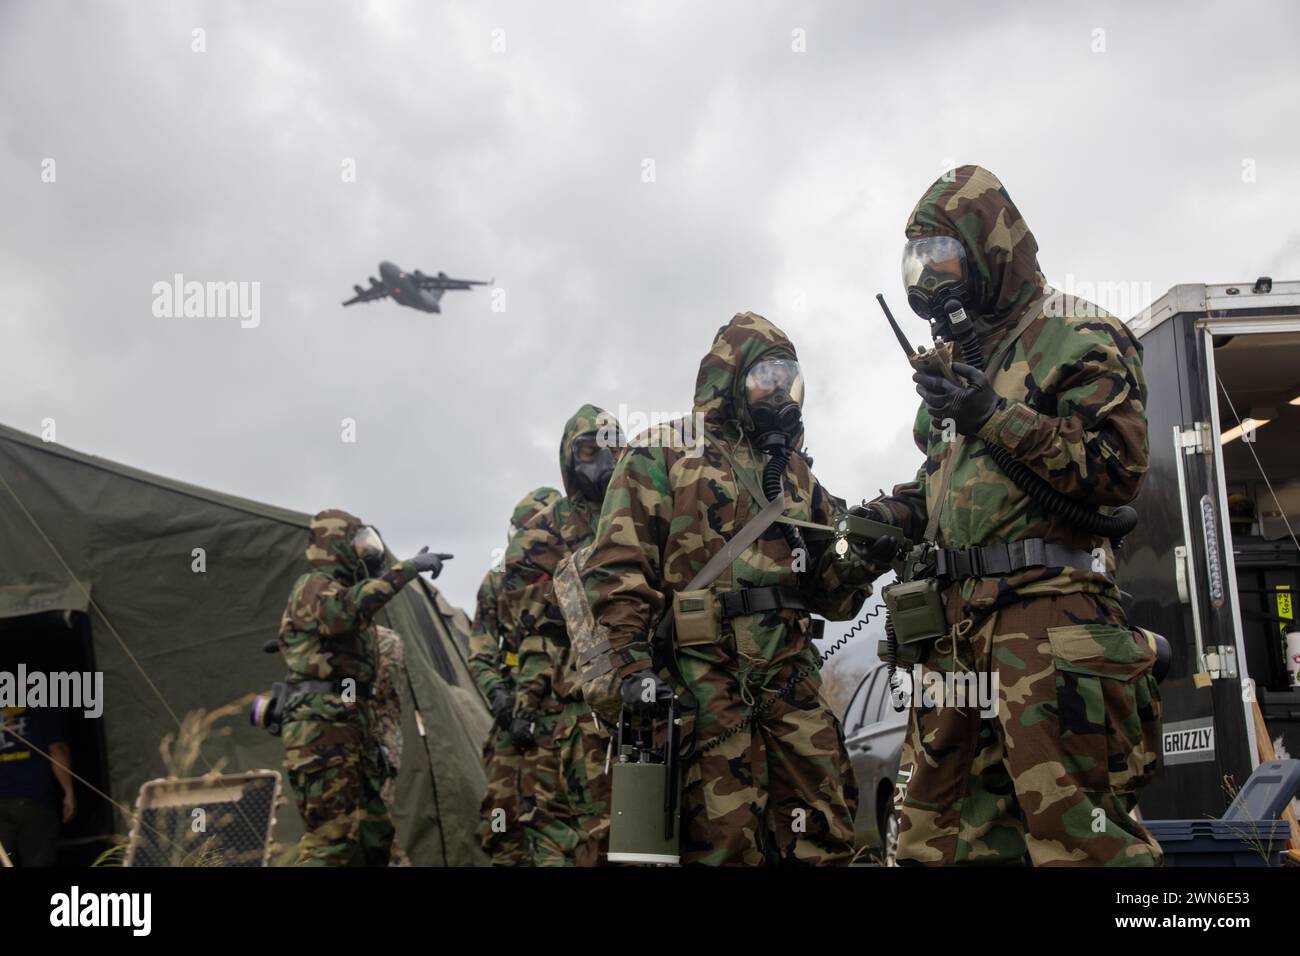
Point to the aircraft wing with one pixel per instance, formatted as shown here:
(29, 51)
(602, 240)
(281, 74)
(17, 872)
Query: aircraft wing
(373, 294)
(429, 283)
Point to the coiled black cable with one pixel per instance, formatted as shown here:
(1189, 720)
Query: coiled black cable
(891, 662)
(796, 678)
(1113, 526)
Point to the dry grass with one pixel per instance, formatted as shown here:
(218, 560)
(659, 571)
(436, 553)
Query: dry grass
(181, 750)
(182, 753)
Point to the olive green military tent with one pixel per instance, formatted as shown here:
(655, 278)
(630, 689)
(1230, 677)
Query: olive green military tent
(170, 591)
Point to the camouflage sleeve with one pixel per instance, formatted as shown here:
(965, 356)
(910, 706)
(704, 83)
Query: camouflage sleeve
(528, 593)
(623, 575)
(388, 696)
(484, 649)
(839, 585)
(526, 582)
(1095, 447)
(538, 660)
(340, 610)
(906, 503)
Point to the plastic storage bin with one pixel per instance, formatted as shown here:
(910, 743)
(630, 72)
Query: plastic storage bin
(1229, 843)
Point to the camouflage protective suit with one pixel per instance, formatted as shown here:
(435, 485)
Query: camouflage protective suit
(331, 756)
(389, 677)
(564, 786)
(1053, 776)
(494, 654)
(768, 780)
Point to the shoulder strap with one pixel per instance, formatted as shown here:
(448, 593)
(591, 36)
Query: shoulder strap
(739, 541)
(958, 446)
(746, 478)
(1030, 318)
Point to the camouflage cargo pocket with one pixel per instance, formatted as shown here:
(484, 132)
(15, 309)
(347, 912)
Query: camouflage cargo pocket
(1107, 705)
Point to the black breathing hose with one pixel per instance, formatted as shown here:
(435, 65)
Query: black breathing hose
(1113, 526)
(773, 488)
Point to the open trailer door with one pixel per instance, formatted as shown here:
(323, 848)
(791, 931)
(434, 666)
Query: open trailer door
(1214, 356)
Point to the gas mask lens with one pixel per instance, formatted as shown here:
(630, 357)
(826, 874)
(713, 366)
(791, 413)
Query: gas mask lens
(774, 382)
(932, 266)
(774, 392)
(593, 465)
(369, 547)
(587, 449)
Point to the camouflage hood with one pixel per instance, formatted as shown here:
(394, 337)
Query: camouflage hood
(719, 395)
(586, 420)
(531, 505)
(974, 208)
(329, 543)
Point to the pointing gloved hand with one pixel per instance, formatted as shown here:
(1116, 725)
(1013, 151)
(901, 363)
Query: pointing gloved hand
(502, 704)
(522, 732)
(645, 692)
(431, 561)
(969, 406)
(882, 550)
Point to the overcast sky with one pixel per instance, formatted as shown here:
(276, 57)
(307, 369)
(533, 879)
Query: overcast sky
(789, 141)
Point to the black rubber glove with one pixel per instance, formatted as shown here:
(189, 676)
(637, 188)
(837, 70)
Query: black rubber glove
(882, 550)
(430, 561)
(645, 693)
(969, 406)
(502, 704)
(522, 732)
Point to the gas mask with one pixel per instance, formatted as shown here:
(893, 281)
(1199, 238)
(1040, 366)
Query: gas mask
(939, 283)
(593, 466)
(369, 549)
(773, 395)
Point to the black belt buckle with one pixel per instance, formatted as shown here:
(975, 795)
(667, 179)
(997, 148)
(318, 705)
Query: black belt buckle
(734, 603)
(962, 563)
(951, 563)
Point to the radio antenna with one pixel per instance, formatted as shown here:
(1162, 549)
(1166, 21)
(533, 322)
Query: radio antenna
(898, 333)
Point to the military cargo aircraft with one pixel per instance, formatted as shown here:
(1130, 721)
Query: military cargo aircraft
(415, 289)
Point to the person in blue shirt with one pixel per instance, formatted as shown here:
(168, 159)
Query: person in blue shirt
(36, 793)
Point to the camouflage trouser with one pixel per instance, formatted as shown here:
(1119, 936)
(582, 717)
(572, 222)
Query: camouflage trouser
(336, 773)
(779, 793)
(583, 749)
(500, 832)
(565, 791)
(1052, 777)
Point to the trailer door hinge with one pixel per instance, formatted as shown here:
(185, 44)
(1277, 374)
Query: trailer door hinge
(1196, 440)
(1220, 662)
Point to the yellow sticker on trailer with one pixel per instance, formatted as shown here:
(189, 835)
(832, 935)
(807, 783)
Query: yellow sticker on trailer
(1284, 609)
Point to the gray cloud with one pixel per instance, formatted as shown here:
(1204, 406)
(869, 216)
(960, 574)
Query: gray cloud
(777, 173)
